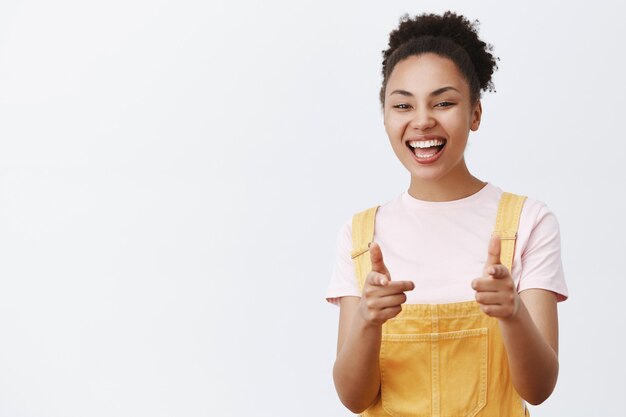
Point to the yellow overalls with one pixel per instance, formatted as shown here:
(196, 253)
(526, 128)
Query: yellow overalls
(443, 360)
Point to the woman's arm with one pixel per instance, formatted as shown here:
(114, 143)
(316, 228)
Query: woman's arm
(356, 371)
(531, 341)
(529, 325)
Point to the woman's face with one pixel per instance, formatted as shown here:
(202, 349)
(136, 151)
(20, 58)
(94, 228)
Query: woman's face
(428, 116)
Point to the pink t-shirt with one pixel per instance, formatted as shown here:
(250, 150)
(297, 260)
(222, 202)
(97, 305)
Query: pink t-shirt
(442, 247)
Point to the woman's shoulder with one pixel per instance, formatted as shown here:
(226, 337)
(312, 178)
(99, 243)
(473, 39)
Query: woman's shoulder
(387, 206)
(392, 207)
(533, 209)
(538, 227)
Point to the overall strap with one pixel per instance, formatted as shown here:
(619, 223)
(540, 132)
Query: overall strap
(362, 237)
(507, 223)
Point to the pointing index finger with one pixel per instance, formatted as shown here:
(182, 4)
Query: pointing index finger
(376, 256)
(493, 253)
(402, 285)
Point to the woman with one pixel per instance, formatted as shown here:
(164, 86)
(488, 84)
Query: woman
(434, 328)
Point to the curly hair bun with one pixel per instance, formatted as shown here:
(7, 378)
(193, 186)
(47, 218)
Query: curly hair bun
(450, 35)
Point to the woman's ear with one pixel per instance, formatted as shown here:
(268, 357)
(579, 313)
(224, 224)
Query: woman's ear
(476, 114)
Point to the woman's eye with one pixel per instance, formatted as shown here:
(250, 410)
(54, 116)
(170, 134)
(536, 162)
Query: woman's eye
(401, 106)
(444, 104)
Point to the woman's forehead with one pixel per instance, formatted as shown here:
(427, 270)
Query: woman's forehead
(425, 73)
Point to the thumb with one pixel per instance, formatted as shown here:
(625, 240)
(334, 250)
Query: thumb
(493, 256)
(376, 256)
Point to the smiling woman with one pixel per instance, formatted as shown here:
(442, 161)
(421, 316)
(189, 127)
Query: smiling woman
(429, 112)
(472, 328)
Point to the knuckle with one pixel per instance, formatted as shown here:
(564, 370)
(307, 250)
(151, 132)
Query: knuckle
(373, 317)
(394, 311)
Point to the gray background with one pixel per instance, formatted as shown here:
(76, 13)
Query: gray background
(173, 175)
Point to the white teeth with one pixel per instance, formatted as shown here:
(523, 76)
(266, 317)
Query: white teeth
(420, 156)
(426, 143)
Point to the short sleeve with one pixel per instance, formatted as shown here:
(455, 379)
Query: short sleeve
(541, 256)
(343, 279)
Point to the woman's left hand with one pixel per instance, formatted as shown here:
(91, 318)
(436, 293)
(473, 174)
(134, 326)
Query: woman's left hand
(495, 290)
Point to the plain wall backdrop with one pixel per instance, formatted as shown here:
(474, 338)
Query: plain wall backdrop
(173, 175)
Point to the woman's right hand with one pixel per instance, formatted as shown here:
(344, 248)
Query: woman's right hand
(382, 298)
(356, 372)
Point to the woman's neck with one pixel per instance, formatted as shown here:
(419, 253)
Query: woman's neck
(454, 186)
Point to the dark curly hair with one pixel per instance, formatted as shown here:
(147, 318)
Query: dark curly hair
(449, 35)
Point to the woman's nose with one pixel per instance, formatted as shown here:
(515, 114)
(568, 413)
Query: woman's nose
(422, 120)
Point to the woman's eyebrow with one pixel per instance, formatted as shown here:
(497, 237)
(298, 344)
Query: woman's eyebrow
(434, 93)
(443, 90)
(402, 93)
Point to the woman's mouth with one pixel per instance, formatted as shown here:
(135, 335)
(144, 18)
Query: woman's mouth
(426, 151)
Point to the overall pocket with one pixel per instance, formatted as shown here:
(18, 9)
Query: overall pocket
(442, 374)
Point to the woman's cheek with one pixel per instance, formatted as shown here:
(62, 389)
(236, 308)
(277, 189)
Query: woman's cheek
(393, 128)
